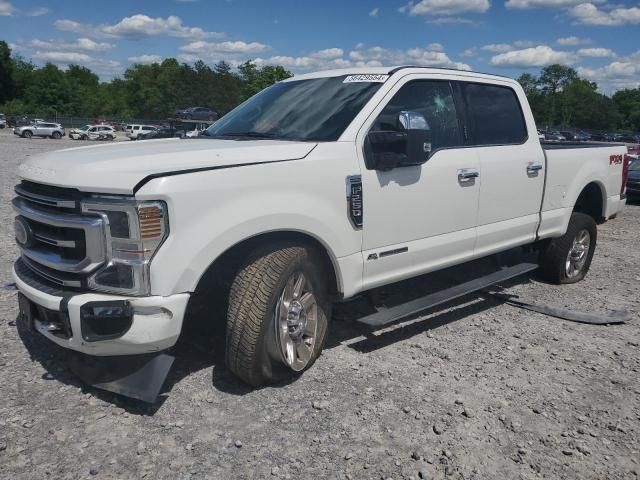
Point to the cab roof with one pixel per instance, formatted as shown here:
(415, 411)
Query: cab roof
(394, 69)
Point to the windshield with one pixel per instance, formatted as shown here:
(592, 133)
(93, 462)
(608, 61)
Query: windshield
(634, 165)
(86, 127)
(318, 109)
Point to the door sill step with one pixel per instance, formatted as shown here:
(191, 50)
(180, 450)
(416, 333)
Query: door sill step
(404, 310)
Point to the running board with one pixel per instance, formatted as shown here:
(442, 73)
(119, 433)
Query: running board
(404, 310)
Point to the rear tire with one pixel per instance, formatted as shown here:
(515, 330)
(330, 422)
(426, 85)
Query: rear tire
(567, 259)
(278, 314)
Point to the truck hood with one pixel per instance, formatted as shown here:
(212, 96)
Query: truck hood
(118, 168)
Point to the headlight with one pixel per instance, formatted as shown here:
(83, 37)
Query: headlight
(135, 231)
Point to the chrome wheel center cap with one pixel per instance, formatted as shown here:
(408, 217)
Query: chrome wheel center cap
(296, 319)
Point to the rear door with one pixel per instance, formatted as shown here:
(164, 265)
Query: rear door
(423, 217)
(512, 165)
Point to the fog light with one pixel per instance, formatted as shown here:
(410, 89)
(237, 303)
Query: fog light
(105, 320)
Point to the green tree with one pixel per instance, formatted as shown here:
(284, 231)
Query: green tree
(256, 79)
(552, 81)
(7, 85)
(628, 103)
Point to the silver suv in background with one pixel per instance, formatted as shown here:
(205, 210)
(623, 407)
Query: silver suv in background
(40, 129)
(133, 131)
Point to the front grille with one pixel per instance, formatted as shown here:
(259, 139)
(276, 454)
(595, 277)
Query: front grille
(61, 245)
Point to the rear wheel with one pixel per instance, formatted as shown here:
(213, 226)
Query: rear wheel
(567, 259)
(27, 134)
(56, 135)
(278, 315)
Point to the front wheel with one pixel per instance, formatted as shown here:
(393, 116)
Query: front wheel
(27, 134)
(278, 314)
(56, 135)
(567, 259)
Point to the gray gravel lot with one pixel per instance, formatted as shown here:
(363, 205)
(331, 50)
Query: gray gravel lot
(477, 390)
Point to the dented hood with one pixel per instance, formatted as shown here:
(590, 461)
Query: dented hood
(118, 168)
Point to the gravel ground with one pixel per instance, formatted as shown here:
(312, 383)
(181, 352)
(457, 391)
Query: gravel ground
(477, 390)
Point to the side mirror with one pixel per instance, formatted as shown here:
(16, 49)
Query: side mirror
(409, 144)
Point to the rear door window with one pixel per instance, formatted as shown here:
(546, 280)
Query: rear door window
(494, 115)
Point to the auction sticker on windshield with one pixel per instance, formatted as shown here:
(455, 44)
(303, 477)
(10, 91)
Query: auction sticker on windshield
(366, 77)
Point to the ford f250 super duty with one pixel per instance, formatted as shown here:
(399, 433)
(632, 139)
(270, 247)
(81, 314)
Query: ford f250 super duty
(320, 187)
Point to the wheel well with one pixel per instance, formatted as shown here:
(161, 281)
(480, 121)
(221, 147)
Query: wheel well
(224, 266)
(213, 287)
(590, 202)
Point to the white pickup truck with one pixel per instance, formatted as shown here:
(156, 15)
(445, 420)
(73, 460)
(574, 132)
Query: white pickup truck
(317, 189)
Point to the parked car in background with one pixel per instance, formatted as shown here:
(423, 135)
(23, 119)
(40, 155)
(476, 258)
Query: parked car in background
(3, 120)
(93, 132)
(161, 133)
(40, 129)
(553, 135)
(627, 138)
(633, 180)
(197, 113)
(135, 131)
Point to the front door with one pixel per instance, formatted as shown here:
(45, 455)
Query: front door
(423, 217)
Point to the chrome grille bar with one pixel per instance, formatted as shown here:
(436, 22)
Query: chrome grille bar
(93, 227)
(43, 199)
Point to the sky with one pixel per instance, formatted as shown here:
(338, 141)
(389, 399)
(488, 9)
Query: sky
(601, 40)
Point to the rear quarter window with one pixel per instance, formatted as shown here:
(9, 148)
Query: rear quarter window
(494, 115)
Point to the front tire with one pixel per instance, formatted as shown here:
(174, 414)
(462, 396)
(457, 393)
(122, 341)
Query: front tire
(56, 135)
(567, 259)
(278, 314)
(27, 134)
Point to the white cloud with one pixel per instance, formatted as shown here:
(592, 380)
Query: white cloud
(62, 57)
(498, 47)
(573, 41)
(446, 7)
(432, 55)
(38, 12)
(539, 56)
(85, 44)
(6, 8)
(521, 4)
(72, 26)
(596, 52)
(105, 69)
(328, 53)
(213, 49)
(624, 73)
(146, 59)
(374, 12)
(590, 14)
(139, 26)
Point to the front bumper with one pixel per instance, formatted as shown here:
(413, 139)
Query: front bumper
(156, 323)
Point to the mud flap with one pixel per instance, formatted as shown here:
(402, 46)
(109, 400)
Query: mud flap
(135, 376)
(610, 318)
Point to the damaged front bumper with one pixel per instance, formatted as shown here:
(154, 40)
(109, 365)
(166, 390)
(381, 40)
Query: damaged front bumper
(102, 324)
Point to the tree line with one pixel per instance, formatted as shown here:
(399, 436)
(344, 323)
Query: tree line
(152, 91)
(558, 96)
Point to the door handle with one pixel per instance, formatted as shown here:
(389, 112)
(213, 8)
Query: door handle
(467, 175)
(533, 168)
